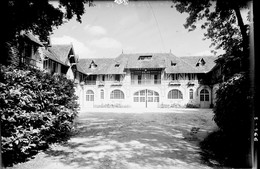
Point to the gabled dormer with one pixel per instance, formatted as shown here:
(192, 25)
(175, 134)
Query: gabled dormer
(117, 64)
(92, 65)
(173, 63)
(201, 62)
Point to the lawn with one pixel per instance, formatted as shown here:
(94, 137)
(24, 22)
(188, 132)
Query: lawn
(159, 140)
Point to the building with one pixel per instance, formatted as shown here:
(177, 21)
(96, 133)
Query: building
(147, 80)
(144, 80)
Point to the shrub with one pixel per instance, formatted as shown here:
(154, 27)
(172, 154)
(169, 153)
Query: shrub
(233, 115)
(37, 109)
(233, 110)
(189, 105)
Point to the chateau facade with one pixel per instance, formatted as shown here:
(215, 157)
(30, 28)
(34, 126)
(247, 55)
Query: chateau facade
(145, 80)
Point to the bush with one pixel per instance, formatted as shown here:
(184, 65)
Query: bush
(233, 115)
(117, 105)
(233, 110)
(37, 109)
(189, 105)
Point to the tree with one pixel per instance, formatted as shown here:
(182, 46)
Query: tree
(224, 25)
(37, 17)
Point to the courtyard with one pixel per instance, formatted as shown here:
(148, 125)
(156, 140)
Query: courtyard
(132, 139)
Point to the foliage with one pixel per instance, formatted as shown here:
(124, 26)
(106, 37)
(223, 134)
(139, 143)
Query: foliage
(173, 105)
(225, 27)
(37, 17)
(189, 105)
(231, 144)
(238, 110)
(221, 19)
(117, 105)
(218, 149)
(37, 109)
(40, 17)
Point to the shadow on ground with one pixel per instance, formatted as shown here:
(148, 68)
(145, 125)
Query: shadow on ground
(135, 141)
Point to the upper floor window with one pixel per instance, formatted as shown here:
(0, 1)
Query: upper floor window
(175, 94)
(91, 79)
(117, 94)
(117, 77)
(103, 78)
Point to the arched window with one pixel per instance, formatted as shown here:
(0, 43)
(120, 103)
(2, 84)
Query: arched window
(89, 95)
(117, 94)
(204, 95)
(191, 93)
(101, 94)
(175, 94)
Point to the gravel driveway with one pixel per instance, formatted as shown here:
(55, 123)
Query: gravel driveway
(150, 140)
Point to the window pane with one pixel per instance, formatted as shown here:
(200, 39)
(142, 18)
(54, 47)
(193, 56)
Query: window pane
(201, 97)
(156, 99)
(206, 97)
(175, 94)
(150, 93)
(191, 94)
(142, 99)
(150, 99)
(136, 99)
(102, 94)
(117, 94)
(142, 92)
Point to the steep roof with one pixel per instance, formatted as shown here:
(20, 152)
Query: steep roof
(33, 39)
(62, 51)
(102, 65)
(196, 62)
(133, 61)
(52, 56)
(167, 61)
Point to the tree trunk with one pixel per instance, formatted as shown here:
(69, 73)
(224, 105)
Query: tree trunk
(245, 41)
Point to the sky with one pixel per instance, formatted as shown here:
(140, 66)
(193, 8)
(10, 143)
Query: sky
(108, 29)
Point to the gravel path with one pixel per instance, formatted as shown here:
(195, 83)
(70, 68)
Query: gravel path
(166, 140)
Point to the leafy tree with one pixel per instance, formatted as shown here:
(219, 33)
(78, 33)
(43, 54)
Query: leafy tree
(223, 23)
(37, 17)
(225, 27)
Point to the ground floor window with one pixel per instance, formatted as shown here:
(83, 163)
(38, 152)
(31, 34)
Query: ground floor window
(191, 93)
(117, 94)
(89, 95)
(101, 94)
(204, 95)
(175, 94)
(146, 96)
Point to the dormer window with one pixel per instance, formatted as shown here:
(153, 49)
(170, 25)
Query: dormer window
(117, 65)
(173, 63)
(201, 62)
(92, 65)
(148, 57)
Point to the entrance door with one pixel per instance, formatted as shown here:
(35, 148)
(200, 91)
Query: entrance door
(204, 98)
(90, 98)
(146, 98)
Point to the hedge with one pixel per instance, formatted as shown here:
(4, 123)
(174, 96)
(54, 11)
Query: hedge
(37, 109)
